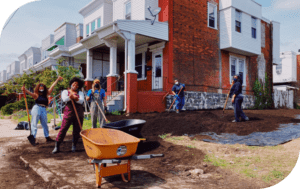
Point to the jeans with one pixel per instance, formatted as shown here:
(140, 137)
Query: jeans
(95, 112)
(39, 113)
(179, 103)
(238, 112)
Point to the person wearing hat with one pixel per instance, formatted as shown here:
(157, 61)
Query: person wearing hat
(70, 117)
(38, 111)
(237, 98)
(179, 102)
(93, 95)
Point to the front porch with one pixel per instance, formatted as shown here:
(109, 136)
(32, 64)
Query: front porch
(131, 55)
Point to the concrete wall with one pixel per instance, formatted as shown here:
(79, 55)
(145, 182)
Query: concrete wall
(201, 100)
(288, 66)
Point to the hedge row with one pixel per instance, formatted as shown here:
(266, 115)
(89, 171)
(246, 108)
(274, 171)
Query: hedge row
(16, 106)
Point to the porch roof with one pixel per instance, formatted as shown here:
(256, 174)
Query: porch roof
(145, 33)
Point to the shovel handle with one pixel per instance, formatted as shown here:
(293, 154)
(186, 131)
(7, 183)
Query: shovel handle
(101, 110)
(76, 114)
(227, 97)
(27, 109)
(174, 99)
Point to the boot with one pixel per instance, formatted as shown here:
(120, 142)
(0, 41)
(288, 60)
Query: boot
(74, 144)
(73, 147)
(56, 149)
(48, 139)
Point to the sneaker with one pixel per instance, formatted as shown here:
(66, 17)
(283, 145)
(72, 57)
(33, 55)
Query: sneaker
(247, 119)
(48, 139)
(233, 121)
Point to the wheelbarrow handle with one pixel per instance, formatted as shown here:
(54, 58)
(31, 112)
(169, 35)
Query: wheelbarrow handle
(147, 156)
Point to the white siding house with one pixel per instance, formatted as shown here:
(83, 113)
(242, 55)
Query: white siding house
(8, 70)
(137, 9)
(3, 76)
(286, 71)
(240, 27)
(23, 62)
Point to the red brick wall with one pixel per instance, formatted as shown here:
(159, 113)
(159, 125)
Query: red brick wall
(267, 51)
(195, 46)
(164, 13)
(150, 101)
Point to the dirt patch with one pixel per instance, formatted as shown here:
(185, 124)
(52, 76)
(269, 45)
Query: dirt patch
(195, 122)
(173, 170)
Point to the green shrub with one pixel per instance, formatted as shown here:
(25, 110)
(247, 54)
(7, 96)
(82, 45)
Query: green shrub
(263, 95)
(16, 106)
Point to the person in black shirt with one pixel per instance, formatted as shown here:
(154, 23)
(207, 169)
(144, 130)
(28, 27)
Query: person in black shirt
(237, 99)
(38, 111)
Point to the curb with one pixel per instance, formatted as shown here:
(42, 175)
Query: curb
(39, 169)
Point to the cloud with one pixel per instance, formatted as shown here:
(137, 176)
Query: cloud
(286, 4)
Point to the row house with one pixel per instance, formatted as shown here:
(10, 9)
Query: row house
(3, 76)
(12, 70)
(286, 75)
(202, 43)
(29, 59)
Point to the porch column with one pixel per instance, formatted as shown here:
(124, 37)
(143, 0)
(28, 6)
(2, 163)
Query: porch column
(132, 97)
(89, 69)
(112, 76)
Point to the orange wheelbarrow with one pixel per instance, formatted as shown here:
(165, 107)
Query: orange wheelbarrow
(111, 146)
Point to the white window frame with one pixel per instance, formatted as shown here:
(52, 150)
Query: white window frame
(100, 22)
(215, 15)
(125, 4)
(87, 34)
(236, 11)
(92, 32)
(255, 27)
(142, 49)
(237, 68)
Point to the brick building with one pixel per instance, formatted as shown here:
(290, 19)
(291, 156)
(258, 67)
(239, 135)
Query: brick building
(203, 43)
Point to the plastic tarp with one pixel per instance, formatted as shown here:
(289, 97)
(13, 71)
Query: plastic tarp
(285, 133)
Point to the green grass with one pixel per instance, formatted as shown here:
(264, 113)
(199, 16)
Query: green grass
(190, 146)
(163, 136)
(248, 173)
(216, 161)
(25, 118)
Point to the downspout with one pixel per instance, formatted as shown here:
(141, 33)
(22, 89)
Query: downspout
(126, 66)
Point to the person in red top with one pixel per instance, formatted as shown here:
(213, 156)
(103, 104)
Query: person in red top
(69, 113)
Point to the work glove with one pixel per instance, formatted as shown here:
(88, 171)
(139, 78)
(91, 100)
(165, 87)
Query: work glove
(176, 95)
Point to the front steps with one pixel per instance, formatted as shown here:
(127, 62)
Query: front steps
(115, 102)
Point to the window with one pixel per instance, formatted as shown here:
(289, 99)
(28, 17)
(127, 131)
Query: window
(128, 11)
(139, 65)
(61, 41)
(212, 15)
(99, 23)
(253, 23)
(87, 30)
(93, 26)
(238, 16)
(237, 66)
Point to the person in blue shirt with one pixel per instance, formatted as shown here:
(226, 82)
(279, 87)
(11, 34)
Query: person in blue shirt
(93, 95)
(179, 102)
(237, 98)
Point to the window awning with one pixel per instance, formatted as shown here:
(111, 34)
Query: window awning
(61, 41)
(51, 48)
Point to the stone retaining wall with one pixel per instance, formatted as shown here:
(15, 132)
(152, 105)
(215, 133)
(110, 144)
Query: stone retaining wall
(202, 100)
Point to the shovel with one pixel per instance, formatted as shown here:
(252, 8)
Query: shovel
(106, 120)
(30, 137)
(227, 97)
(74, 107)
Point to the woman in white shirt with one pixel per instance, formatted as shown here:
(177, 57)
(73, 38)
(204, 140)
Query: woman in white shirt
(70, 118)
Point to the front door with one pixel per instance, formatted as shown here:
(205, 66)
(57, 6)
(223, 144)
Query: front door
(157, 71)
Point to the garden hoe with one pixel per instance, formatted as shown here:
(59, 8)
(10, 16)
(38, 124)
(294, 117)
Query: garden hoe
(30, 137)
(174, 101)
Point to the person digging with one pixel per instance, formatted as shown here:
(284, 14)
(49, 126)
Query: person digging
(178, 92)
(38, 111)
(73, 98)
(237, 99)
(93, 95)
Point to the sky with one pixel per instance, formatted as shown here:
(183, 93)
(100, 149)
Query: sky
(34, 21)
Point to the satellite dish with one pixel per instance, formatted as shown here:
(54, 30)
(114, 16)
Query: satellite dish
(156, 11)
